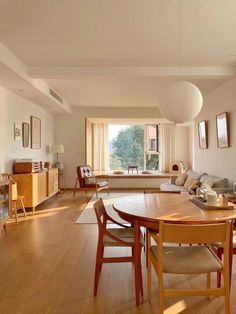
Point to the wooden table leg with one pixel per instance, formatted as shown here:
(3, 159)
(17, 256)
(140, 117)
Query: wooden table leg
(231, 253)
(137, 262)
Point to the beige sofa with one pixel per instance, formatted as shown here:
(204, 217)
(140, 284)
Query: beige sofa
(194, 181)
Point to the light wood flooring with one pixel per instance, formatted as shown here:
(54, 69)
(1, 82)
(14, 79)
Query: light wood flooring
(47, 266)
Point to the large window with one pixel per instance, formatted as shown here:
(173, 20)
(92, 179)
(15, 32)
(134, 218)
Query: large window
(133, 145)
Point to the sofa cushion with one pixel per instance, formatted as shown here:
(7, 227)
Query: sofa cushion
(215, 182)
(194, 175)
(171, 187)
(181, 178)
(221, 183)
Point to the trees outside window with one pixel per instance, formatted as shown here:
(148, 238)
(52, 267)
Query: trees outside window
(133, 145)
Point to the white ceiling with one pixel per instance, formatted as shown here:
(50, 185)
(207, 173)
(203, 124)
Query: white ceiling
(120, 53)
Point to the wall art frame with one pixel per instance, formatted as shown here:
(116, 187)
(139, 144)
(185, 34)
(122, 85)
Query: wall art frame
(35, 130)
(202, 134)
(222, 130)
(25, 134)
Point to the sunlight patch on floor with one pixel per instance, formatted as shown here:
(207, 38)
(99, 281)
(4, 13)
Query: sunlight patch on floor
(176, 308)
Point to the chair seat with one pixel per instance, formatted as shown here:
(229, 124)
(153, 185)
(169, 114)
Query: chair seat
(124, 234)
(100, 184)
(219, 245)
(188, 260)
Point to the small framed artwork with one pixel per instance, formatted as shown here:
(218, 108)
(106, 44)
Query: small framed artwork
(35, 128)
(222, 130)
(17, 132)
(25, 134)
(202, 134)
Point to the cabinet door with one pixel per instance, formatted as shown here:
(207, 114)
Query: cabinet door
(41, 186)
(50, 182)
(24, 187)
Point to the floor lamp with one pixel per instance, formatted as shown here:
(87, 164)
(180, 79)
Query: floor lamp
(58, 149)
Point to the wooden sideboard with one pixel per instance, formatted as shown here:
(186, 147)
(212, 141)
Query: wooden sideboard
(37, 187)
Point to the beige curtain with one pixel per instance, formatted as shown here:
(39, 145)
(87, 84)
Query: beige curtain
(100, 147)
(167, 146)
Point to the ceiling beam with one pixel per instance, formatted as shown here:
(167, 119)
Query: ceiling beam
(62, 72)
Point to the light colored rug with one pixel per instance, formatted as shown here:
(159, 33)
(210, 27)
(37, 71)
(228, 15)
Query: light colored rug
(88, 215)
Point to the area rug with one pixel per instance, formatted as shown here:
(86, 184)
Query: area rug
(88, 215)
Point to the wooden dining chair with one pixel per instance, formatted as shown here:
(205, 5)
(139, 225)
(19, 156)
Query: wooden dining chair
(147, 230)
(17, 198)
(112, 237)
(220, 251)
(196, 259)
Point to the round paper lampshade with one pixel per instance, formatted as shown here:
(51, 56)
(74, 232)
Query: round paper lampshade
(183, 102)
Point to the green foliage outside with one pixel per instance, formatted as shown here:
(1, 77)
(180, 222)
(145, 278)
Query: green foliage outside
(128, 148)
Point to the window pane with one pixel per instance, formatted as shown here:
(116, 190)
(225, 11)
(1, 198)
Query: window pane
(151, 138)
(126, 146)
(152, 161)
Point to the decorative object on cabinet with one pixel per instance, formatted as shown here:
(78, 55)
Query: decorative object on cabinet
(26, 166)
(25, 134)
(222, 130)
(202, 134)
(35, 125)
(37, 187)
(17, 132)
(58, 149)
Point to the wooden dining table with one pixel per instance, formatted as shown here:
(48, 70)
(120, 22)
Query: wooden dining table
(146, 210)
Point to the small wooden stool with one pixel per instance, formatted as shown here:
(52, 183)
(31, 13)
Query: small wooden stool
(19, 198)
(132, 167)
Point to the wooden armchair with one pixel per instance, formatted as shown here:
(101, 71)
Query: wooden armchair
(88, 181)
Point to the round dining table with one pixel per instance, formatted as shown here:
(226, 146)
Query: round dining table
(146, 210)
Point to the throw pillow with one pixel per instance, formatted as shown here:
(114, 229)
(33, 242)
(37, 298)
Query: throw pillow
(191, 184)
(181, 179)
(208, 183)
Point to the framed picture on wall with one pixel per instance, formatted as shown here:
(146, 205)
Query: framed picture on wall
(25, 134)
(35, 127)
(202, 134)
(222, 130)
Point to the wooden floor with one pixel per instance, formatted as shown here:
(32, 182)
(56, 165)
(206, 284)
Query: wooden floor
(47, 266)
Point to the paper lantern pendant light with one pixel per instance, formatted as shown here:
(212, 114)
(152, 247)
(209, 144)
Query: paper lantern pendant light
(183, 102)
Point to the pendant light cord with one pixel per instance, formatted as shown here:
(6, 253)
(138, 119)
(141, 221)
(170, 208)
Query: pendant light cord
(180, 39)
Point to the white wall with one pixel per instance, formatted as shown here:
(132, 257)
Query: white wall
(214, 160)
(15, 109)
(70, 131)
(182, 145)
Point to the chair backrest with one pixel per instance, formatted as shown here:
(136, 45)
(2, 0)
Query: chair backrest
(14, 192)
(101, 214)
(82, 172)
(194, 234)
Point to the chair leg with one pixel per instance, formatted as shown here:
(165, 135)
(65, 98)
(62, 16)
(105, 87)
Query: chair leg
(98, 265)
(15, 211)
(219, 254)
(23, 207)
(149, 279)
(5, 226)
(75, 187)
(208, 280)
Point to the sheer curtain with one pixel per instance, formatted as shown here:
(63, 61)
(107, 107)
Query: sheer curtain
(167, 146)
(100, 146)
